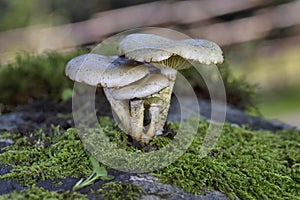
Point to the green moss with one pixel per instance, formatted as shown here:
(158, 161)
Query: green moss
(34, 76)
(39, 156)
(245, 164)
(36, 193)
(120, 152)
(6, 135)
(170, 131)
(160, 141)
(120, 190)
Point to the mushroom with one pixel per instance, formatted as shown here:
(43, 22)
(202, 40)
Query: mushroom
(169, 56)
(108, 72)
(146, 97)
(129, 88)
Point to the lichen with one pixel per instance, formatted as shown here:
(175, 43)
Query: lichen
(36, 193)
(120, 190)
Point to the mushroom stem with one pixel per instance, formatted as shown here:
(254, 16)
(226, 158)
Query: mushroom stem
(120, 108)
(153, 126)
(165, 93)
(137, 118)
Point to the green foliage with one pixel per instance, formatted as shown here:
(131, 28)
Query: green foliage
(16, 13)
(67, 94)
(120, 190)
(239, 92)
(99, 172)
(245, 164)
(34, 76)
(36, 193)
(40, 156)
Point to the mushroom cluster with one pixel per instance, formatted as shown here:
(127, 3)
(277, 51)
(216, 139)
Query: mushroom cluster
(139, 82)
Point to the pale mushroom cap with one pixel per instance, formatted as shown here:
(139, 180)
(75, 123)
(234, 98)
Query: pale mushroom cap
(105, 71)
(145, 47)
(151, 84)
(154, 48)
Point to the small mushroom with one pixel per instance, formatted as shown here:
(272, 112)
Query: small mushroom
(107, 72)
(145, 96)
(169, 56)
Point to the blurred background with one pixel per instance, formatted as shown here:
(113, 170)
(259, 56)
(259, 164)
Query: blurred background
(260, 38)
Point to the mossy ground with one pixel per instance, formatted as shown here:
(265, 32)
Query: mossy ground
(36, 193)
(119, 190)
(41, 156)
(246, 164)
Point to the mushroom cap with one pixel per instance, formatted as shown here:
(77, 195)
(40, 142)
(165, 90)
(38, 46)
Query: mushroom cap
(105, 71)
(154, 48)
(151, 84)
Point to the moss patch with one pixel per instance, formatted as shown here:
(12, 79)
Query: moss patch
(34, 76)
(36, 193)
(41, 156)
(245, 164)
(120, 190)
